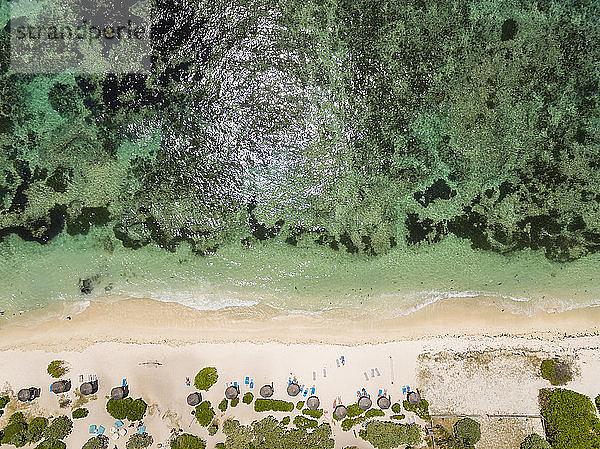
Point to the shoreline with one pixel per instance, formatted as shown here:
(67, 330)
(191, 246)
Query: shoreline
(147, 321)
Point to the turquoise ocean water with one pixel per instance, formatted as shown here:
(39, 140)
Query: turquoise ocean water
(313, 155)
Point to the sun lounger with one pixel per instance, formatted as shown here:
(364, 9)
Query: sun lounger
(372, 372)
(141, 429)
(251, 384)
(118, 423)
(338, 362)
(247, 381)
(235, 384)
(305, 393)
(324, 372)
(343, 360)
(366, 377)
(379, 394)
(93, 428)
(101, 430)
(312, 391)
(377, 372)
(124, 382)
(314, 375)
(407, 389)
(403, 390)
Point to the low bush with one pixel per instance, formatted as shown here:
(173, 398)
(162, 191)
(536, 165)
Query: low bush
(598, 402)
(99, 442)
(275, 405)
(3, 401)
(398, 417)
(57, 368)
(556, 371)
(286, 420)
(299, 405)
(348, 423)
(213, 428)
(139, 441)
(248, 398)
(313, 413)
(220, 446)
(467, 431)
(47, 444)
(388, 435)
(222, 405)
(397, 408)
(206, 378)
(372, 413)
(421, 409)
(235, 402)
(80, 413)
(354, 410)
(187, 441)
(204, 413)
(305, 423)
(571, 421)
(534, 441)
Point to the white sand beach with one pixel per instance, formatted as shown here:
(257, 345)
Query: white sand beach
(487, 365)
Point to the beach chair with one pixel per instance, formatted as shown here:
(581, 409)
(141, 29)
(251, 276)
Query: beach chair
(247, 381)
(251, 384)
(403, 390)
(124, 382)
(118, 423)
(312, 390)
(101, 430)
(305, 393)
(141, 429)
(379, 394)
(407, 389)
(235, 384)
(93, 428)
(337, 361)
(343, 360)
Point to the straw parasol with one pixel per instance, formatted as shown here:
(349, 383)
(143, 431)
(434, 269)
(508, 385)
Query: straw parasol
(231, 392)
(365, 403)
(414, 397)
(194, 399)
(88, 388)
(119, 392)
(60, 386)
(383, 402)
(340, 412)
(312, 403)
(24, 395)
(293, 389)
(266, 391)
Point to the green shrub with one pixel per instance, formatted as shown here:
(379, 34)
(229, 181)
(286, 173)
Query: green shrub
(235, 402)
(206, 378)
(556, 371)
(14, 433)
(397, 408)
(248, 398)
(80, 413)
(276, 405)
(222, 405)
(534, 441)
(35, 429)
(467, 431)
(204, 413)
(305, 423)
(598, 402)
(58, 368)
(220, 446)
(136, 410)
(187, 441)
(372, 413)
(299, 405)
(286, 420)
(313, 413)
(571, 421)
(118, 408)
(398, 417)
(388, 435)
(58, 429)
(348, 423)
(99, 442)
(3, 401)
(213, 428)
(421, 409)
(139, 441)
(354, 410)
(16, 417)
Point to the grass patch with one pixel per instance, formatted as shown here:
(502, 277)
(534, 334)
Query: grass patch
(571, 419)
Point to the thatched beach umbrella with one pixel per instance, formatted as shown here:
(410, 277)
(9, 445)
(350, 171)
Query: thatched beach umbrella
(194, 399)
(312, 403)
(231, 392)
(266, 391)
(119, 392)
(293, 389)
(28, 394)
(88, 388)
(340, 412)
(414, 397)
(383, 402)
(365, 403)
(60, 386)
